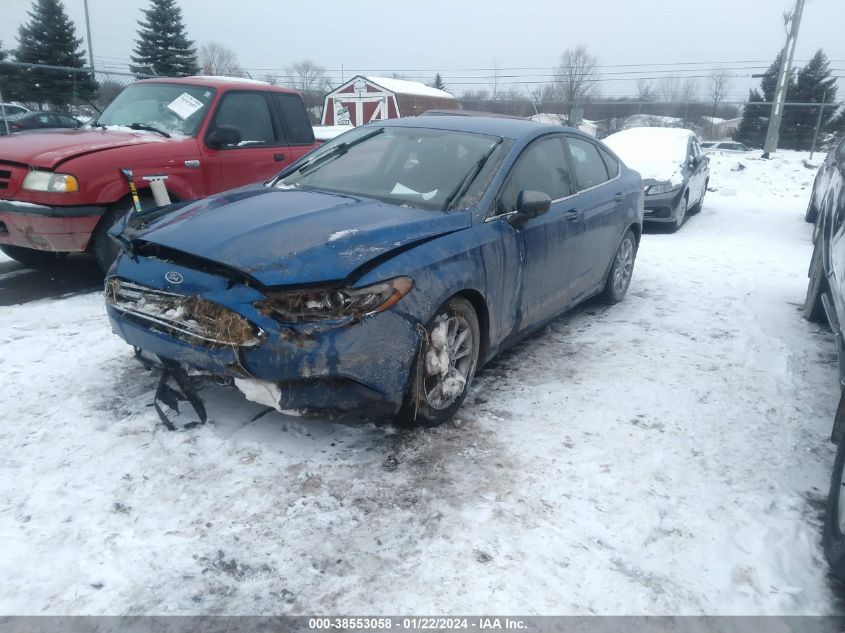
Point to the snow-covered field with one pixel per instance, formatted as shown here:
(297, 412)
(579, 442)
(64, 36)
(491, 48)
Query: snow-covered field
(667, 455)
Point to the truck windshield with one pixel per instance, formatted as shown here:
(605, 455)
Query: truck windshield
(177, 109)
(417, 167)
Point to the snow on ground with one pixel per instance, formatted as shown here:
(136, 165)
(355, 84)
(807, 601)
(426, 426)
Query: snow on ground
(667, 455)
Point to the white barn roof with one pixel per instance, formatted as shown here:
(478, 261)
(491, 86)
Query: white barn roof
(405, 87)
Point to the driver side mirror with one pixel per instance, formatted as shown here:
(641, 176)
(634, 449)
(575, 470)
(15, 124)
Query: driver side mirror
(223, 136)
(531, 204)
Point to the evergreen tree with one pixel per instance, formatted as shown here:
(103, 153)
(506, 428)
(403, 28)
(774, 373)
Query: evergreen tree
(813, 83)
(755, 115)
(438, 82)
(50, 38)
(163, 47)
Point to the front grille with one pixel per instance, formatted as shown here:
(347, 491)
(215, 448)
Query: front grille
(11, 177)
(193, 319)
(5, 174)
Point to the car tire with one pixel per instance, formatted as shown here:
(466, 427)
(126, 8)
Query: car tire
(32, 257)
(104, 247)
(697, 207)
(817, 286)
(833, 540)
(681, 213)
(621, 269)
(439, 381)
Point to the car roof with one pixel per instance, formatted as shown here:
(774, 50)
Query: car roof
(494, 126)
(229, 83)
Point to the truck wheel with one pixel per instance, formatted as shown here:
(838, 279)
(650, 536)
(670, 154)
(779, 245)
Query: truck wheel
(32, 257)
(105, 249)
(444, 367)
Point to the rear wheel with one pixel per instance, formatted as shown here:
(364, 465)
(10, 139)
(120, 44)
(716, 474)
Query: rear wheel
(833, 539)
(621, 270)
(817, 286)
(445, 365)
(33, 257)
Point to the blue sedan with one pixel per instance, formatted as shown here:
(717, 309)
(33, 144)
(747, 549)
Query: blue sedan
(383, 269)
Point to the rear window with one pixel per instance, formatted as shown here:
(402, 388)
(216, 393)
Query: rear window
(298, 130)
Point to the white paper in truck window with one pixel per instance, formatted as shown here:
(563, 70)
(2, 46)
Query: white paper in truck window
(184, 105)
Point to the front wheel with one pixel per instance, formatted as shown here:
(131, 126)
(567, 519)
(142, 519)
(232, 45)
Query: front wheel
(32, 257)
(444, 367)
(621, 270)
(681, 213)
(105, 248)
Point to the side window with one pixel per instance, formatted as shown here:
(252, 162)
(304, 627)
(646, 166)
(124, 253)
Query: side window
(541, 167)
(611, 163)
(589, 167)
(696, 148)
(246, 120)
(298, 130)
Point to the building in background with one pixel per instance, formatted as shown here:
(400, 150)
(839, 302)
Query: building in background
(364, 99)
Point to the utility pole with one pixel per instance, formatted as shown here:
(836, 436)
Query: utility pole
(794, 22)
(818, 124)
(88, 36)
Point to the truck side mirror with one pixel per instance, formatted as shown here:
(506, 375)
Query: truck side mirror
(223, 136)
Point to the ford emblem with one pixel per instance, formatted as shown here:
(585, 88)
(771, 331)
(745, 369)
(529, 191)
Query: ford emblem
(173, 277)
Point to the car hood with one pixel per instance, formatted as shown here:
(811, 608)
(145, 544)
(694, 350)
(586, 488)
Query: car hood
(48, 150)
(282, 237)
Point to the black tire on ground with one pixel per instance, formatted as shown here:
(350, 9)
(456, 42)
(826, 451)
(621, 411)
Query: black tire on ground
(812, 213)
(104, 247)
(681, 213)
(621, 270)
(423, 385)
(697, 206)
(817, 286)
(32, 257)
(833, 540)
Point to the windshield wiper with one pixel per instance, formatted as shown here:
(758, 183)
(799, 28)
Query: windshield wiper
(148, 128)
(97, 124)
(337, 150)
(460, 190)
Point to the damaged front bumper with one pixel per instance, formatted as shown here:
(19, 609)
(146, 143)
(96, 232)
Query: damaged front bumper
(158, 307)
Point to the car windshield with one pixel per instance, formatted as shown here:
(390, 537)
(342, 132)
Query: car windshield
(176, 109)
(417, 167)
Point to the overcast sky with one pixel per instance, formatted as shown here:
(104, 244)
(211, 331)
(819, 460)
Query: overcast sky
(460, 39)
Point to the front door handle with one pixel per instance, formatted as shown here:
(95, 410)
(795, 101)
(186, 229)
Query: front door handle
(278, 157)
(572, 215)
(619, 197)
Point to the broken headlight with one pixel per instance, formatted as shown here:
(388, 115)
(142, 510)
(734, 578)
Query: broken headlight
(301, 306)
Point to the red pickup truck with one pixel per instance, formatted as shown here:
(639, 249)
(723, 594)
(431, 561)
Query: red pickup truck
(60, 191)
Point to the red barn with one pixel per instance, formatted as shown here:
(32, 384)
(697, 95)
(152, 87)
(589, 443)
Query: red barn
(364, 99)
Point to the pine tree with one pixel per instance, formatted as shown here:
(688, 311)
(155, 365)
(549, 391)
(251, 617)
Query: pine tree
(163, 47)
(50, 38)
(438, 82)
(813, 83)
(755, 115)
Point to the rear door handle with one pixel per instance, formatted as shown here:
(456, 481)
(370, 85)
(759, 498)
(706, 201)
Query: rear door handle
(278, 157)
(619, 197)
(572, 215)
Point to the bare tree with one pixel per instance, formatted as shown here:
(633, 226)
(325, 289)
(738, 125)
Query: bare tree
(216, 59)
(720, 83)
(689, 90)
(669, 89)
(310, 79)
(645, 90)
(576, 75)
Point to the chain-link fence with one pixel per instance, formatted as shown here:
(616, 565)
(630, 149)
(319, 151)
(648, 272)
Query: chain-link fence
(80, 92)
(83, 92)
